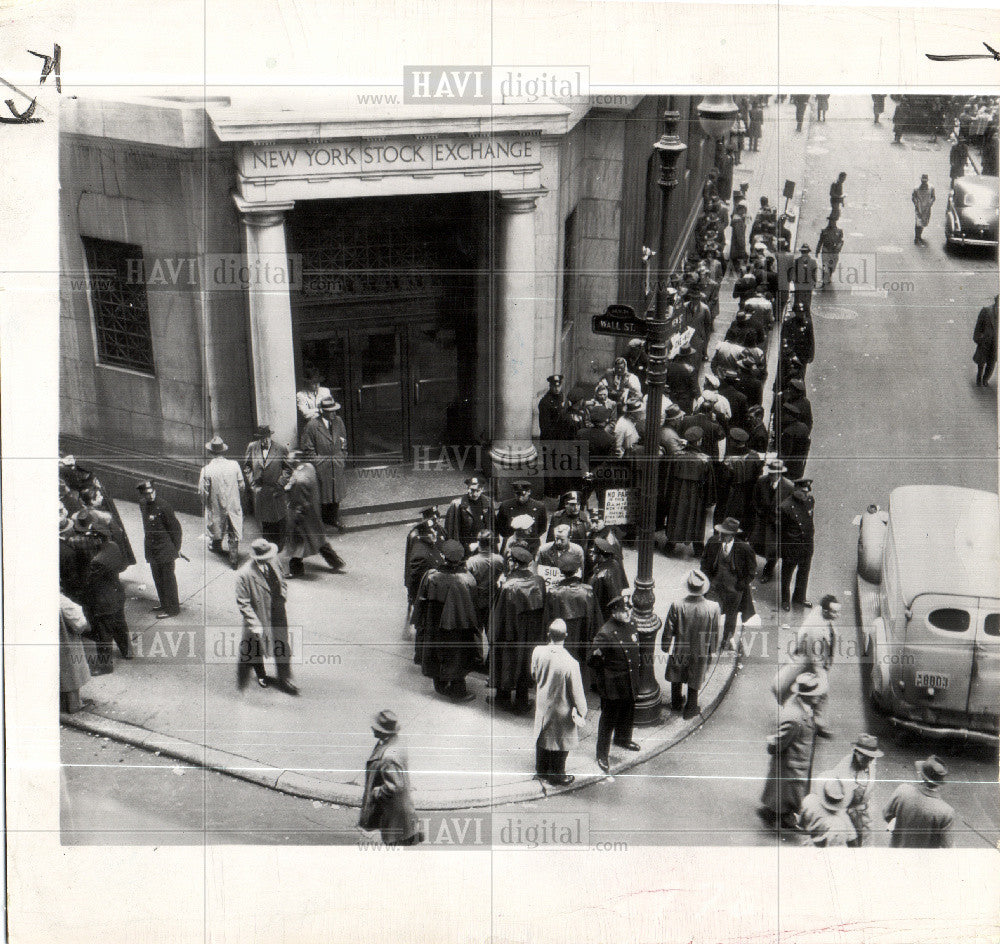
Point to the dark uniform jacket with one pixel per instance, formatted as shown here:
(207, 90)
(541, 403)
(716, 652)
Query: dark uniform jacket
(512, 508)
(798, 333)
(465, 519)
(579, 530)
(163, 531)
(614, 659)
(551, 415)
(797, 525)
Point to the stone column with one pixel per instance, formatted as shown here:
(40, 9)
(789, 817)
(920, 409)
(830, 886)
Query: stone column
(514, 335)
(270, 317)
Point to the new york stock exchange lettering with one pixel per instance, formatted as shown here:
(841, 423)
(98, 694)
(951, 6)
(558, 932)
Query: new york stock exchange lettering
(397, 156)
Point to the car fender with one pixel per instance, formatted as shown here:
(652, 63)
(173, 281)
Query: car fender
(872, 526)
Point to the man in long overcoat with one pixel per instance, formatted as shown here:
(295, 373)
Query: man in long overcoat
(222, 487)
(261, 593)
(736, 477)
(574, 602)
(923, 199)
(614, 661)
(423, 553)
(444, 613)
(920, 818)
(324, 443)
(387, 803)
(560, 705)
(162, 547)
(768, 494)
(516, 624)
(857, 772)
(690, 493)
(730, 565)
(487, 566)
(798, 334)
(791, 748)
(985, 337)
(305, 533)
(264, 469)
(690, 637)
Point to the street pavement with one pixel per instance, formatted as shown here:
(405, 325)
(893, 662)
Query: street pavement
(894, 402)
(894, 399)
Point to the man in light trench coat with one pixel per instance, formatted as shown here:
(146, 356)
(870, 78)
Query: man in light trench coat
(221, 486)
(691, 634)
(261, 592)
(560, 705)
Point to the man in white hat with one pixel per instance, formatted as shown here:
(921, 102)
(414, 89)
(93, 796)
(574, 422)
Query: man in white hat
(824, 817)
(690, 637)
(261, 592)
(222, 487)
(857, 772)
(791, 747)
(815, 646)
(917, 815)
(560, 705)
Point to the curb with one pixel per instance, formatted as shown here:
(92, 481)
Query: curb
(302, 785)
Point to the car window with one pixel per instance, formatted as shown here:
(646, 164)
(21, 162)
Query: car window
(950, 619)
(991, 625)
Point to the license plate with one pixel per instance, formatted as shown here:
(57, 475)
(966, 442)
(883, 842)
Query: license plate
(930, 680)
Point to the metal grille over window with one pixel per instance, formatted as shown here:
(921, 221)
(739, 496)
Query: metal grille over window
(118, 300)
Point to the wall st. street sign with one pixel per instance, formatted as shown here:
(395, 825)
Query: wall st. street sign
(619, 321)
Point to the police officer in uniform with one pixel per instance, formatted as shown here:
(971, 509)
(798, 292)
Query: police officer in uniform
(521, 504)
(162, 546)
(796, 543)
(614, 662)
(552, 423)
(468, 515)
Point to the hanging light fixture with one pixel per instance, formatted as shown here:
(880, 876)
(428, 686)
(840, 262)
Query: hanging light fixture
(716, 115)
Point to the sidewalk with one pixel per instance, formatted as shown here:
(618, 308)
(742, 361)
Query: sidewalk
(353, 657)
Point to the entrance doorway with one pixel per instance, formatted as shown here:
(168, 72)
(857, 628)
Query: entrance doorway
(387, 314)
(397, 385)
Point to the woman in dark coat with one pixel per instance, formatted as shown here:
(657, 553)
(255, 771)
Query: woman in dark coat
(690, 493)
(447, 624)
(985, 336)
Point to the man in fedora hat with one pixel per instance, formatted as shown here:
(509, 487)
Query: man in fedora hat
(387, 802)
(261, 592)
(614, 662)
(730, 564)
(824, 818)
(815, 646)
(522, 504)
(264, 468)
(162, 547)
(771, 490)
(690, 636)
(791, 748)
(736, 476)
(857, 772)
(222, 489)
(447, 623)
(469, 514)
(560, 705)
(305, 533)
(829, 245)
(797, 530)
(626, 431)
(917, 815)
(323, 442)
(516, 624)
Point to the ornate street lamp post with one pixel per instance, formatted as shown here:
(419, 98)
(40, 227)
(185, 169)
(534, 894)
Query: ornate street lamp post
(716, 115)
(669, 149)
